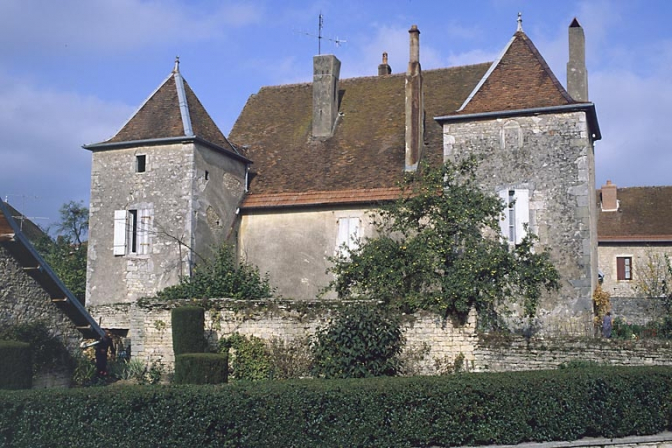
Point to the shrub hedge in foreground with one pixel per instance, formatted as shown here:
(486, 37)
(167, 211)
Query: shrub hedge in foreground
(466, 409)
(201, 368)
(16, 368)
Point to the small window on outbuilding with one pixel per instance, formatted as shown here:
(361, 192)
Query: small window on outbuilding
(140, 163)
(624, 268)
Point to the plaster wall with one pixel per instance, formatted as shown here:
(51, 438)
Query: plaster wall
(187, 210)
(551, 156)
(294, 247)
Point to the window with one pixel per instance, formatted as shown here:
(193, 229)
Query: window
(624, 268)
(140, 163)
(348, 235)
(516, 215)
(131, 232)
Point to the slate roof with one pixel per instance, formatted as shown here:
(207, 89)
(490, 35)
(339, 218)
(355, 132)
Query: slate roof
(367, 150)
(644, 215)
(172, 112)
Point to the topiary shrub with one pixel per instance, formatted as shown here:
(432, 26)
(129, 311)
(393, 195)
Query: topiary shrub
(361, 342)
(188, 323)
(16, 370)
(201, 368)
(250, 359)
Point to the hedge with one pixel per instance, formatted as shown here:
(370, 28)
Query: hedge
(187, 325)
(16, 368)
(201, 368)
(464, 409)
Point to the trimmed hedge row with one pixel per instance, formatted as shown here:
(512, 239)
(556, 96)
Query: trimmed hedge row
(16, 367)
(468, 409)
(187, 323)
(201, 368)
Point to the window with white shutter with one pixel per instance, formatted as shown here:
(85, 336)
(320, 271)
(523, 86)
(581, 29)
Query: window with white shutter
(132, 232)
(516, 214)
(119, 232)
(348, 234)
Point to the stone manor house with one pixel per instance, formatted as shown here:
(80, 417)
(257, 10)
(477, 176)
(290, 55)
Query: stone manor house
(305, 164)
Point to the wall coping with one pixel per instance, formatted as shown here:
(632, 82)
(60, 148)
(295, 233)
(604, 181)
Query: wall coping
(591, 441)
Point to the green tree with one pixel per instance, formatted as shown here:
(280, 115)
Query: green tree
(362, 341)
(438, 248)
(66, 250)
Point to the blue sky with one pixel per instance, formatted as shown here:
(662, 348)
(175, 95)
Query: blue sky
(73, 71)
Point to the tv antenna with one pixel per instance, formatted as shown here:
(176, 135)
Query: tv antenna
(21, 217)
(319, 36)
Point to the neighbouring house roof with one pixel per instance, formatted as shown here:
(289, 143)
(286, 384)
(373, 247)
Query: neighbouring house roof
(644, 215)
(172, 112)
(367, 150)
(16, 242)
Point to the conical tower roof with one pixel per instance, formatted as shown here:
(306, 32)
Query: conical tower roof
(172, 111)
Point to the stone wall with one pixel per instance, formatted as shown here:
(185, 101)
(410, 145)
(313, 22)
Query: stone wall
(22, 300)
(643, 255)
(432, 343)
(662, 440)
(551, 157)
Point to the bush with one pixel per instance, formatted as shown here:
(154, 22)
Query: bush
(250, 359)
(457, 410)
(188, 323)
(201, 368)
(16, 370)
(362, 341)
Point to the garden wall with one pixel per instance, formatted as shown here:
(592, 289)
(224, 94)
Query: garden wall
(432, 343)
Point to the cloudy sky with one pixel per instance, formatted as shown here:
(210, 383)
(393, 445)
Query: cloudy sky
(73, 71)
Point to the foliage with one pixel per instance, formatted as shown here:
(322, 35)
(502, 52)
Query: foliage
(66, 252)
(84, 373)
(437, 250)
(654, 276)
(187, 323)
(136, 370)
(578, 364)
(201, 368)
(457, 410)
(221, 277)
(661, 329)
(250, 359)
(15, 368)
(601, 305)
(362, 341)
(290, 359)
(48, 350)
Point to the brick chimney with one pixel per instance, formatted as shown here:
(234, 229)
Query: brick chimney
(609, 197)
(384, 68)
(577, 75)
(326, 70)
(414, 104)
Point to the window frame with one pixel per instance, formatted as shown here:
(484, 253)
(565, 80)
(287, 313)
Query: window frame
(624, 268)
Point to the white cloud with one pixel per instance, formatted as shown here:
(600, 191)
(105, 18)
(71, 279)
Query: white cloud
(42, 133)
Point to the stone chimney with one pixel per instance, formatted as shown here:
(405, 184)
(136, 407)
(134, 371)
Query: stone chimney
(577, 75)
(609, 197)
(384, 68)
(414, 104)
(326, 70)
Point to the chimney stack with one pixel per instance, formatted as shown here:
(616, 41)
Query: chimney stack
(384, 68)
(609, 197)
(414, 103)
(577, 75)
(326, 70)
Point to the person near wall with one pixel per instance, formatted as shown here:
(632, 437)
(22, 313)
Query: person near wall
(606, 325)
(102, 346)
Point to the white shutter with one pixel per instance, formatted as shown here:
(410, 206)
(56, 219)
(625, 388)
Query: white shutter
(522, 213)
(143, 231)
(504, 218)
(343, 232)
(119, 232)
(353, 233)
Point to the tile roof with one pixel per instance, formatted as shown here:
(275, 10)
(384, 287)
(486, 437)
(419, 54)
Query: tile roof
(367, 150)
(173, 110)
(519, 79)
(365, 196)
(368, 147)
(644, 215)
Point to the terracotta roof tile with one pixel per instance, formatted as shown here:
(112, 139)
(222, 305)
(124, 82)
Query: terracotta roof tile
(367, 149)
(521, 79)
(644, 214)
